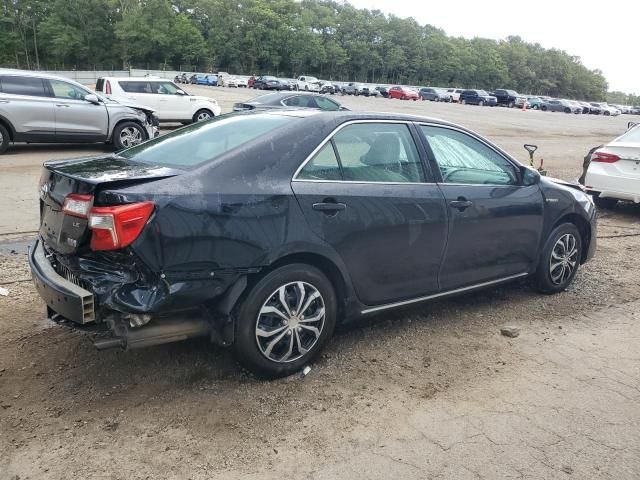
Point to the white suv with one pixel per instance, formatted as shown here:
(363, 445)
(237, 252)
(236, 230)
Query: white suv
(171, 103)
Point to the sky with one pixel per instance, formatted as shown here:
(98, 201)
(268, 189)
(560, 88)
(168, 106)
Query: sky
(604, 35)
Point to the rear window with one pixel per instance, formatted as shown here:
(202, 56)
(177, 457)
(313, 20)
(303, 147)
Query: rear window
(17, 85)
(192, 146)
(100, 85)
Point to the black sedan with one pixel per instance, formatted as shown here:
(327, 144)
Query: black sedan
(285, 100)
(271, 83)
(262, 230)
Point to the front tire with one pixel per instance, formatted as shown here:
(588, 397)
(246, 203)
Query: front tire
(202, 115)
(560, 260)
(4, 139)
(285, 320)
(481, 103)
(128, 134)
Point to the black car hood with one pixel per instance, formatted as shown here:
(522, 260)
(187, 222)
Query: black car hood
(109, 168)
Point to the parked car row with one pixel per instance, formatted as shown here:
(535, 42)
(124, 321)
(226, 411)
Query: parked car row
(36, 107)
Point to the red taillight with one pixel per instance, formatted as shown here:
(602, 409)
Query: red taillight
(116, 227)
(77, 205)
(107, 88)
(604, 157)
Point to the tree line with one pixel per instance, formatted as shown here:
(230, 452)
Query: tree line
(327, 38)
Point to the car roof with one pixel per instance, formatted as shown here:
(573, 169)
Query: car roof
(143, 79)
(27, 73)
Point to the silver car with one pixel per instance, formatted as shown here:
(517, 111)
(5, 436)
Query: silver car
(40, 108)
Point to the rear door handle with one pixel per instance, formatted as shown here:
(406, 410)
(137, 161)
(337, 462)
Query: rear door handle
(461, 203)
(4, 101)
(62, 105)
(329, 207)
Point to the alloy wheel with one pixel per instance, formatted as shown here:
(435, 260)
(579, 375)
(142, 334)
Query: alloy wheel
(564, 258)
(130, 136)
(290, 322)
(203, 116)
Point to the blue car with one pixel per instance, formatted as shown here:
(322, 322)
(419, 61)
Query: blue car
(211, 80)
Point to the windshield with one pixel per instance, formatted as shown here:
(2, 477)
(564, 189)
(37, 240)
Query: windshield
(482, 92)
(202, 142)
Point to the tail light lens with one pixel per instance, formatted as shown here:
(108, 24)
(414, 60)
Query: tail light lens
(107, 88)
(77, 205)
(118, 226)
(604, 157)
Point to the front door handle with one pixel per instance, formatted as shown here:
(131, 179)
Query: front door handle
(329, 207)
(461, 204)
(62, 105)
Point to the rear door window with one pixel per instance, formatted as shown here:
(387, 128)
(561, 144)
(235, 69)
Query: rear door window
(324, 166)
(29, 86)
(378, 152)
(136, 87)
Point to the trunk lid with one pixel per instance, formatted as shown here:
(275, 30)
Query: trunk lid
(64, 233)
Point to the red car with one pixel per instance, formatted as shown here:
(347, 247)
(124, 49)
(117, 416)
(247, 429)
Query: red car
(403, 93)
(251, 81)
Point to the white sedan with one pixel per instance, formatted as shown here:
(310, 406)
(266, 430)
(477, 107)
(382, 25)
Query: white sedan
(614, 171)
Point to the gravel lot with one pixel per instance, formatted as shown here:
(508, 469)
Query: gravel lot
(430, 392)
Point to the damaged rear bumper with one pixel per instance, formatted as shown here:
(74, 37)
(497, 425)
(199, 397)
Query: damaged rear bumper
(89, 295)
(61, 294)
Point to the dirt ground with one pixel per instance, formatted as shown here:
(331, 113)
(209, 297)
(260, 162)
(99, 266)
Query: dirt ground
(429, 392)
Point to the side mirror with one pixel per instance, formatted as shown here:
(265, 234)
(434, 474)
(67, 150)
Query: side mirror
(180, 92)
(92, 98)
(529, 176)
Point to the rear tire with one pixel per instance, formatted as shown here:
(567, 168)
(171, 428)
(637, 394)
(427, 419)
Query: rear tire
(128, 134)
(560, 260)
(463, 102)
(4, 139)
(544, 108)
(605, 203)
(297, 338)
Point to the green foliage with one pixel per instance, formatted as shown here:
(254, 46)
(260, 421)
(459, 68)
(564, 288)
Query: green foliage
(621, 98)
(328, 38)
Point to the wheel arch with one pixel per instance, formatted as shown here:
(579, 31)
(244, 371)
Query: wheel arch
(327, 266)
(9, 126)
(124, 120)
(583, 226)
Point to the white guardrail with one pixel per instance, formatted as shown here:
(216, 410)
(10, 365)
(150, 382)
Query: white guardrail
(89, 77)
